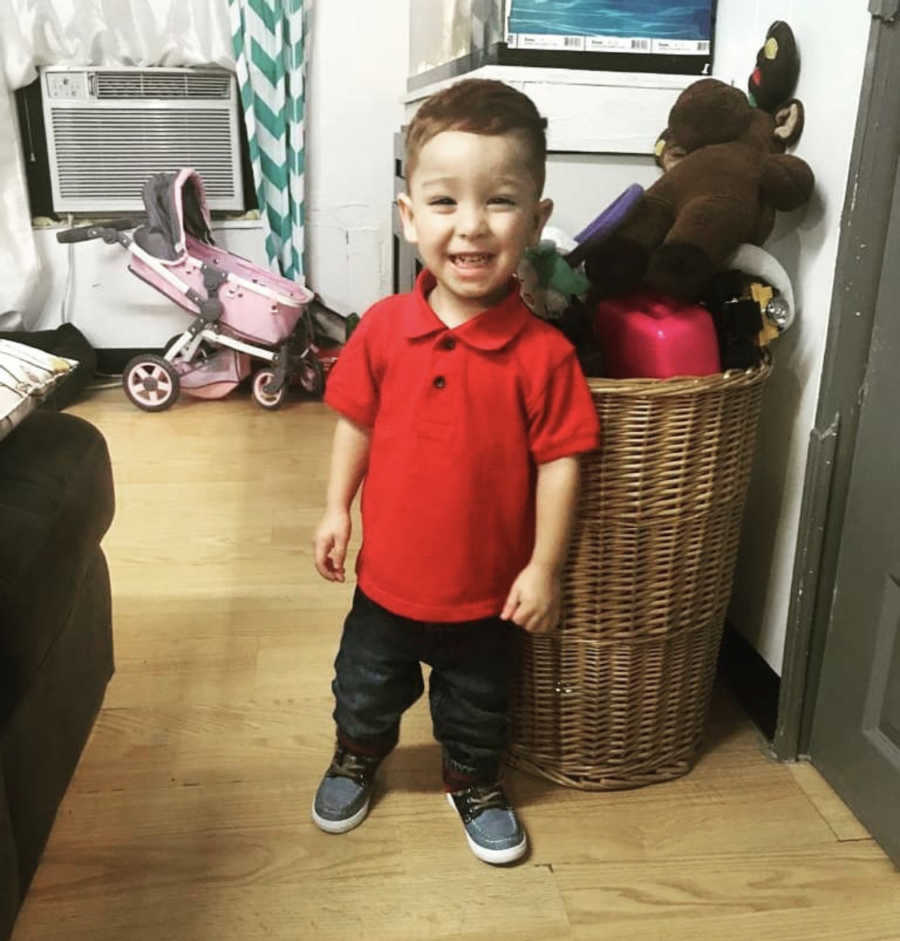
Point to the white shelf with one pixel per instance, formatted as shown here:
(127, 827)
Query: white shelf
(518, 74)
(587, 112)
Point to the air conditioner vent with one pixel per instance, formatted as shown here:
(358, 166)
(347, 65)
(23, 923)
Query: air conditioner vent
(140, 83)
(110, 129)
(109, 153)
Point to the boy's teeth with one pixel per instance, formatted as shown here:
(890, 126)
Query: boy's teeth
(471, 259)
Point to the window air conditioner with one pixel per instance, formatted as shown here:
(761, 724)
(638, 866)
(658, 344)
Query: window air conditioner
(109, 128)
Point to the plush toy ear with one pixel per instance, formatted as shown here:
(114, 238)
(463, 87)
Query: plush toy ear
(659, 148)
(667, 151)
(777, 68)
(789, 120)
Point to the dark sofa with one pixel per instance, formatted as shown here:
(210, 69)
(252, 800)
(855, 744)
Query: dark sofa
(56, 653)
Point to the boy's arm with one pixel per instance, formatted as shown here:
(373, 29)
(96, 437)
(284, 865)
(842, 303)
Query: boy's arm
(533, 600)
(349, 460)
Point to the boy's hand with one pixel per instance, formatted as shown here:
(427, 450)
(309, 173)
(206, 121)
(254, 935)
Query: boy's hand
(533, 600)
(330, 544)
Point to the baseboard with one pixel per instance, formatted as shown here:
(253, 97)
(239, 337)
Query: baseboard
(111, 362)
(754, 683)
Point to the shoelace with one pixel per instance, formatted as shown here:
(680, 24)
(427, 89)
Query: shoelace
(482, 797)
(346, 764)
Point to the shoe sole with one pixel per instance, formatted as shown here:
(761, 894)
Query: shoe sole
(340, 826)
(494, 857)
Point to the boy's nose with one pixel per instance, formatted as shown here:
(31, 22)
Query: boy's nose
(470, 221)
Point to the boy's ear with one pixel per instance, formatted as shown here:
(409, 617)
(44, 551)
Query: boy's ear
(544, 211)
(404, 205)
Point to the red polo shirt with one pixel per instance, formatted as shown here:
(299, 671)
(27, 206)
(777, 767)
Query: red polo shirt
(460, 420)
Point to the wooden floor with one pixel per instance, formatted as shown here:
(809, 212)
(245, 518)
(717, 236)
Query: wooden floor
(188, 816)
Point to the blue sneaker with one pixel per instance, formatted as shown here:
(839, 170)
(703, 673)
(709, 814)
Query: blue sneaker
(342, 800)
(494, 833)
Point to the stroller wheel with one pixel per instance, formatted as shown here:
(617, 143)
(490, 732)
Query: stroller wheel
(311, 375)
(151, 382)
(270, 400)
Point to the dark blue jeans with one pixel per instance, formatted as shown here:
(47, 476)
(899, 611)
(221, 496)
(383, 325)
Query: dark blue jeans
(378, 677)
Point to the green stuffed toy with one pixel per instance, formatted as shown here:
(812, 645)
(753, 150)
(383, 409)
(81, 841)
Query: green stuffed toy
(548, 282)
(725, 175)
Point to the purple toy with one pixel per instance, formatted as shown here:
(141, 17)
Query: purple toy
(606, 223)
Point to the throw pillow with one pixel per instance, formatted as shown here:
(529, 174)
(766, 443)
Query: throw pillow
(27, 376)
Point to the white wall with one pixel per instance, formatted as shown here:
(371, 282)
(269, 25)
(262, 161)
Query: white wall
(582, 185)
(356, 79)
(832, 36)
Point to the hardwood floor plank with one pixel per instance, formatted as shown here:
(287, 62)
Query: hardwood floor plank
(289, 882)
(188, 815)
(839, 893)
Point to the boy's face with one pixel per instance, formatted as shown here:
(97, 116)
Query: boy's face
(472, 209)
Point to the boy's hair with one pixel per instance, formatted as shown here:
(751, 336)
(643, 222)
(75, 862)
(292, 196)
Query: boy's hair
(480, 106)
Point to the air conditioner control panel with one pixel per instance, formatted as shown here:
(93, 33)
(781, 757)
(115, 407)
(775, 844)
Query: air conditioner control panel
(71, 86)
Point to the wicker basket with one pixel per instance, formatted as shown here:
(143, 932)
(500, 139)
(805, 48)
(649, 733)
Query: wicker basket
(618, 696)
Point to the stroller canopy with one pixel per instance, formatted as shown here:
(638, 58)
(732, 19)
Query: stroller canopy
(176, 205)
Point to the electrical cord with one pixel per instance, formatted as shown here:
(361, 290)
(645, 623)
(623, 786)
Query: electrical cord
(66, 306)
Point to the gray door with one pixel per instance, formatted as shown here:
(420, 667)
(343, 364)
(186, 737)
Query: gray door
(855, 739)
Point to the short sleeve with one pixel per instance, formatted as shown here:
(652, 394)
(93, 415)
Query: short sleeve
(563, 420)
(353, 383)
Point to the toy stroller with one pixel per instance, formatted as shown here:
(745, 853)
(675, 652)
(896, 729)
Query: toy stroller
(242, 312)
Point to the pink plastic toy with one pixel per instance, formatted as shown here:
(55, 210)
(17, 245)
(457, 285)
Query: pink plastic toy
(652, 336)
(242, 312)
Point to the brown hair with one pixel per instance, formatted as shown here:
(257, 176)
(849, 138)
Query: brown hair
(480, 106)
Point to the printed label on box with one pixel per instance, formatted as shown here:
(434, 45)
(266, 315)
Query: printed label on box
(681, 47)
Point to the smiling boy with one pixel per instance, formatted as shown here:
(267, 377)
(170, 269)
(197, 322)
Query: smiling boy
(465, 414)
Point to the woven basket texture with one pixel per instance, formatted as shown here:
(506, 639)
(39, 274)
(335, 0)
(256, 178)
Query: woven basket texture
(617, 697)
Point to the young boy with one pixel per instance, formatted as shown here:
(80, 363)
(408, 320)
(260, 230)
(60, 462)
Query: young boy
(465, 414)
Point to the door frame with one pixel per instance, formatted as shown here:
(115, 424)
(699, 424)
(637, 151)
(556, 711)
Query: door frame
(864, 229)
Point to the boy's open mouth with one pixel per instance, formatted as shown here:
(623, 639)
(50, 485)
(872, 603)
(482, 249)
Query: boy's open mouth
(471, 259)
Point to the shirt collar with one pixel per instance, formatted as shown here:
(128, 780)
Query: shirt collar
(490, 330)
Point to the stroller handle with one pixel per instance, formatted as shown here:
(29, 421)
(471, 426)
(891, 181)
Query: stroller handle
(105, 230)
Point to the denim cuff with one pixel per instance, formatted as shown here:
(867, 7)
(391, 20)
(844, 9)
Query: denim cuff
(376, 747)
(458, 776)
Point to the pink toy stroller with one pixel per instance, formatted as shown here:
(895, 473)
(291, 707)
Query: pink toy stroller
(242, 312)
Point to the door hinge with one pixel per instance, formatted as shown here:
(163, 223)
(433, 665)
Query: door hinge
(886, 10)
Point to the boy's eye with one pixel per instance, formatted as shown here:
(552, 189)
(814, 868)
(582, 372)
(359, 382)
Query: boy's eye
(501, 201)
(441, 201)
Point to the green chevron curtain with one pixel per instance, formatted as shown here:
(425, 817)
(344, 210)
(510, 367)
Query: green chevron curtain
(267, 40)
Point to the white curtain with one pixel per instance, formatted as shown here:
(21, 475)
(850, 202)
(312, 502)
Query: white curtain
(18, 258)
(84, 32)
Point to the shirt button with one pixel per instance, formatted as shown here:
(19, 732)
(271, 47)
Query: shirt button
(439, 382)
(449, 343)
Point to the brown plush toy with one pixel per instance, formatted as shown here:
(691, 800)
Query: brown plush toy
(726, 174)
